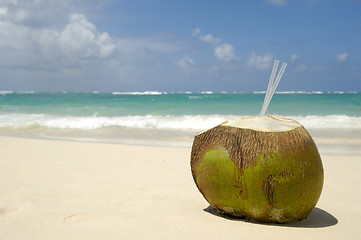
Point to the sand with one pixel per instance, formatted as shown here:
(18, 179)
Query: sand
(75, 190)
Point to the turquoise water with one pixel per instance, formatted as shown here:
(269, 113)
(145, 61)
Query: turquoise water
(136, 114)
(157, 103)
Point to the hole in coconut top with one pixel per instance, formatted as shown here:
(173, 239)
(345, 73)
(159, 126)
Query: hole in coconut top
(264, 123)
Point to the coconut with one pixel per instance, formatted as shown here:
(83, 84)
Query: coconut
(264, 168)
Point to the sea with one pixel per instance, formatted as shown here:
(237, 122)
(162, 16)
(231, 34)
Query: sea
(170, 118)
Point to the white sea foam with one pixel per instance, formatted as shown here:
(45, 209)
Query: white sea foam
(183, 122)
(27, 92)
(311, 92)
(6, 92)
(291, 92)
(299, 92)
(329, 121)
(139, 93)
(187, 92)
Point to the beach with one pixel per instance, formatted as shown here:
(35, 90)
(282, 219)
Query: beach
(104, 103)
(53, 189)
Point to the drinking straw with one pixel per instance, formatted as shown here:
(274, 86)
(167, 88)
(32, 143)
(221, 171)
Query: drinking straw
(272, 85)
(276, 82)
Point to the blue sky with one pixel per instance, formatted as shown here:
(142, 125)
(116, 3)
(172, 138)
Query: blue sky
(105, 45)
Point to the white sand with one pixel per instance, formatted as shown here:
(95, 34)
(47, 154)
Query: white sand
(73, 190)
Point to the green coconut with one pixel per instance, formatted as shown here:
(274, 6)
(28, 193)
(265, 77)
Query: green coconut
(266, 169)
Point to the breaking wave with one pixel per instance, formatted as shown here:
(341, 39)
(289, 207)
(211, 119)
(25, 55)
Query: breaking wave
(172, 122)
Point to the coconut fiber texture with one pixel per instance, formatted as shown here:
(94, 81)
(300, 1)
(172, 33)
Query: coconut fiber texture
(261, 176)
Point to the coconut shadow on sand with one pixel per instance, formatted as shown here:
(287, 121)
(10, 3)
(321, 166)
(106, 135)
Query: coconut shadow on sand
(318, 218)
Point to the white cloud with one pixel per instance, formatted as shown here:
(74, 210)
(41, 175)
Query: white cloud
(294, 57)
(78, 39)
(3, 11)
(278, 3)
(81, 36)
(209, 39)
(52, 41)
(13, 36)
(225, 52)
(260, 62)
(342, 56)
(41, 13)
(185, 63)
(196, 32)
(62, 42)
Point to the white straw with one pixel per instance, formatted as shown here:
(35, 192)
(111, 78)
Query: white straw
(272, 85)
(276, 82)
(269, 87)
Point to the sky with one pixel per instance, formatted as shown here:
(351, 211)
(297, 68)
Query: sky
(163, 45)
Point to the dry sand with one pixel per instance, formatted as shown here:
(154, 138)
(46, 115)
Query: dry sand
(75, 190)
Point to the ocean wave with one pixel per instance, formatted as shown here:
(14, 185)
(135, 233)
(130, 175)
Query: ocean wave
(185, 122)
(172, 122)
(139, 93)
(290, 92)
(187, 92)
(311, 92)
(299, 92)
(295, 92)
(6, 92)
(329, 121)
